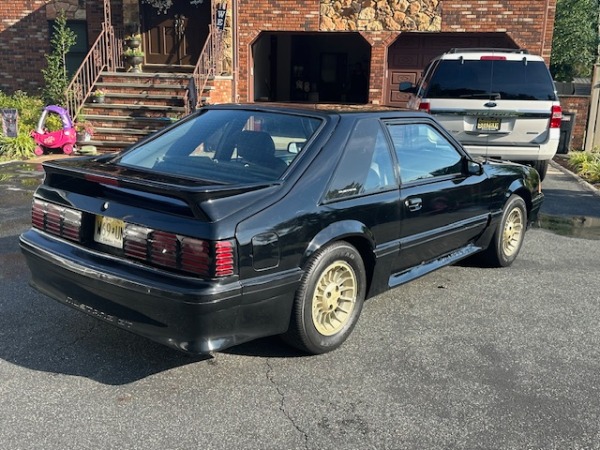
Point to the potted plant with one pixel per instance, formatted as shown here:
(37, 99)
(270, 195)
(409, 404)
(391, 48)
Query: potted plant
(135, 58)
(133, 40)
(85, 130)
(98, 96)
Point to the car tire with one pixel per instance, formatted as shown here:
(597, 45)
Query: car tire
(541, 167)
(329, 300)
(508, 238)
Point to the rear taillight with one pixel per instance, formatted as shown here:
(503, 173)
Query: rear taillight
(207, 259)
(556, 116)
(56, 220)
(425, 107)
(492, 58)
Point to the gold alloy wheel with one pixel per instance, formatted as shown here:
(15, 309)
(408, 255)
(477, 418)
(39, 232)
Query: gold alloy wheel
(334, 298)
(513, 232)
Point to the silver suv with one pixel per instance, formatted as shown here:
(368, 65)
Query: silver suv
(499, 103)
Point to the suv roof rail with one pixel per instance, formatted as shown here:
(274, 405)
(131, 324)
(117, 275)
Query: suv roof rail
(489, 49)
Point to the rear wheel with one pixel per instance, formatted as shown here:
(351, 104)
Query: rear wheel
(509, 235)
(541, 167)
(329, 300)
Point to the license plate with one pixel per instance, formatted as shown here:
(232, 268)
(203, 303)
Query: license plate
(488, 124)
(109, 231)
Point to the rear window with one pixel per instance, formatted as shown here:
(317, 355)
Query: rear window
(226, 146)
(494, 79)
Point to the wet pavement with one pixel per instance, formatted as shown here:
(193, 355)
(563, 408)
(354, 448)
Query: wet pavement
(18, 181)
(566, 198)
(571, 207)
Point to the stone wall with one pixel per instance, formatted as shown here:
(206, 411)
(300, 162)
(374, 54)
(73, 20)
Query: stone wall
(380, 15)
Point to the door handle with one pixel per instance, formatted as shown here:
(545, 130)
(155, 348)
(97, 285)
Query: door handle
(413, 204)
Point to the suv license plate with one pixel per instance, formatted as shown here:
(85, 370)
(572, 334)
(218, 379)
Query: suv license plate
(488, 124)
(109, 231)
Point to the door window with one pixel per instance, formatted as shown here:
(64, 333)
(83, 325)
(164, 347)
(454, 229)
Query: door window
(423, 152)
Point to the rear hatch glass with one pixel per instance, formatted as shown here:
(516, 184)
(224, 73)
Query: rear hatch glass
(492, 79)
(493, 102)
(226, 146)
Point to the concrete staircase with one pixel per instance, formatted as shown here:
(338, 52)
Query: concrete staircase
(135, 105)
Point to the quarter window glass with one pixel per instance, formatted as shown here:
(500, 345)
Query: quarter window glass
(423, 152)
(366, 166)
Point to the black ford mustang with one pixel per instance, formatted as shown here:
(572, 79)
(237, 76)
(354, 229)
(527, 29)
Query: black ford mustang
(243, 221)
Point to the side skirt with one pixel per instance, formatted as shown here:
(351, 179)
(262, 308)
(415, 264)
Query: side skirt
(423, 269)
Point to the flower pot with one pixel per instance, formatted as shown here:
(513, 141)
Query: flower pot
(133, 42)
(135, 63)
(98, 99)
(83, 136)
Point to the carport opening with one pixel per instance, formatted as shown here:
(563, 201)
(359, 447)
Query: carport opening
(311, 67)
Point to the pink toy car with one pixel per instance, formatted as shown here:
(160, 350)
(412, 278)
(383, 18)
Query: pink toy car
(64, 139)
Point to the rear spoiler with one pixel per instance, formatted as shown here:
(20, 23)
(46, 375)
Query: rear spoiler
(192, 192)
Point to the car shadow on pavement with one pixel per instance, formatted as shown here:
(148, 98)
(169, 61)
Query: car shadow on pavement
(40, 334)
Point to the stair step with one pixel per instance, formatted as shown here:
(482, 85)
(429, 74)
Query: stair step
(128, 118)
(125, 131)
(137, 105)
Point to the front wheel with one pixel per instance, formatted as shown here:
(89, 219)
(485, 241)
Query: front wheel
(508, 238)
(329, 300)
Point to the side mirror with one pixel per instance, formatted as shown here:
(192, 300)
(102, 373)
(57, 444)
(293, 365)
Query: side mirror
(474, 168)
(407, 87)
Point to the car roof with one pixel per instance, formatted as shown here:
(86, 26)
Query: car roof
(320, 109)
(324, 109)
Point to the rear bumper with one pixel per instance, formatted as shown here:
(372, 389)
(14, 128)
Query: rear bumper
(541, 152)
(190, 315)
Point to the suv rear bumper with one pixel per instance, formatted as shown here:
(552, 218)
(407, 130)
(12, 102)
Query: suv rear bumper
(542, 152)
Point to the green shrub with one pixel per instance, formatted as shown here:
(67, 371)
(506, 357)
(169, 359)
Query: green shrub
(30, 109)
(586, 165)
(55, 74)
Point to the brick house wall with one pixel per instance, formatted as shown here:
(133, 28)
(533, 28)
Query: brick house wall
(529, 24)
(23, 43)
(24, 36)
(578, 104)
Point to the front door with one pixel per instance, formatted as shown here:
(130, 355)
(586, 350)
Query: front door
(175, 37)
(442, 205)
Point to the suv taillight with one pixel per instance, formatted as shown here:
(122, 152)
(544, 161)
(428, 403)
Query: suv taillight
(425, 107)
(556, 116)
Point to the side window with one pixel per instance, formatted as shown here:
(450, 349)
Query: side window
(423, 152)
(366, 166)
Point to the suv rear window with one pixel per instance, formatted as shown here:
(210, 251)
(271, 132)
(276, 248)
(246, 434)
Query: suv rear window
(494, 79)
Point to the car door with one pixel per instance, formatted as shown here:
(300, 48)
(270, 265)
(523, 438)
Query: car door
(442, 206)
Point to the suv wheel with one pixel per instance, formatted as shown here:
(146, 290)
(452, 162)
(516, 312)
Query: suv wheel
(541, 167)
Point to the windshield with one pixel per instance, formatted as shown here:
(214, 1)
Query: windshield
(226, 146)
(493, 79)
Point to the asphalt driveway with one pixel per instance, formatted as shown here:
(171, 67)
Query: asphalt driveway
(466, 357)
